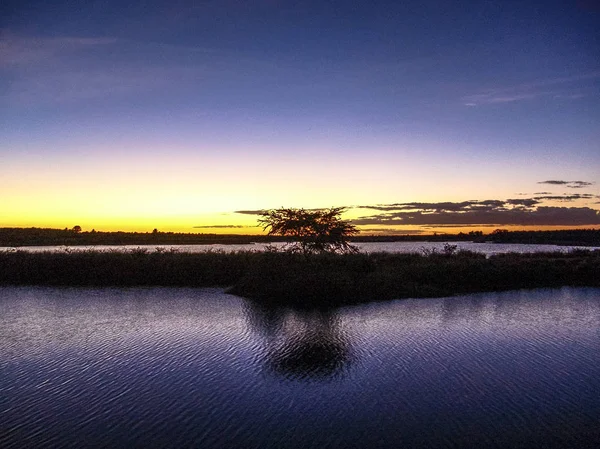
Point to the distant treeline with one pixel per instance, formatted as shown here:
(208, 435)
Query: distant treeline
(294, 279)
(15, 237)
(566, 237)
(575, 237)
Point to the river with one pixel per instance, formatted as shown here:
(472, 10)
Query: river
(391, 247)
(179, 367)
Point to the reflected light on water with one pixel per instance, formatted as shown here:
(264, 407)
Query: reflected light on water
(196, 367)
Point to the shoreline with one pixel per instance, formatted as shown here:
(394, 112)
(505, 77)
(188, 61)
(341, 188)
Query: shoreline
(23, 237)
(292, 279)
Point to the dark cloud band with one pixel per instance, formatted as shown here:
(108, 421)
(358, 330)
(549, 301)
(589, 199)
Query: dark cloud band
(569, 184)
(541, 216)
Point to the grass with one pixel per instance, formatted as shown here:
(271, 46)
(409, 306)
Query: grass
(14, 237)
(325, 279)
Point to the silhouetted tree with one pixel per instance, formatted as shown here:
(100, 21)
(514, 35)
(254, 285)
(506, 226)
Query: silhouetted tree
(76, 229)
(313, 231)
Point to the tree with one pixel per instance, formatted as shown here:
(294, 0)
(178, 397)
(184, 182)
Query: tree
(313, 231)
(76, 229)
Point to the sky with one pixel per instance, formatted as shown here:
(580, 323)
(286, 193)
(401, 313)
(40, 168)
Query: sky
(194, 116)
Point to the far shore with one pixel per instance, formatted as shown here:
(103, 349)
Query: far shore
(21, 237)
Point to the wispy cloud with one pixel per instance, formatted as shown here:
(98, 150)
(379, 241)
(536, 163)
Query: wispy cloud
(392, 231)
(63, 70)
(478, 225)
(68, 86)
(579, 184)
(527, 202)
(572, 87)
(251, 212)
(438, 207)
(573, 197)
(263, 211)
(569, 184)
(554, 182)
(18, 51)
(222, 227)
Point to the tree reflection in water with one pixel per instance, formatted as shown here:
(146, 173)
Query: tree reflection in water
(301, 344)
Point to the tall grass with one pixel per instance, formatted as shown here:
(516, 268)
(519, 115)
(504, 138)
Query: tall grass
(121, 268)
(328, 279)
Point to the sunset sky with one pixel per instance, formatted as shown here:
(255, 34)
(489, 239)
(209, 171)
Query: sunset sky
(191, 116)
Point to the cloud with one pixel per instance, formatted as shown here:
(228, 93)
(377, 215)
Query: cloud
(65, 70)
(554, 182)
(437, 207)
(222, 227)
(251, 212)
(73, 86)
(474, 205)
(549, 216)
(527, 202)
(389, 231)
(570, 88)
(477, 225)
(569, 184)
(470, 213)
(26, 51)
(264, 211)
(579, 184)
(513, 211)
(573, 197)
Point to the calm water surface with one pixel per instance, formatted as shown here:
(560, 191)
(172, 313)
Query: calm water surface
(198, 368)
(391, 247)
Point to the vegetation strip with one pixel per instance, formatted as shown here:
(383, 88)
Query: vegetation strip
(288, 278)
(14, 237)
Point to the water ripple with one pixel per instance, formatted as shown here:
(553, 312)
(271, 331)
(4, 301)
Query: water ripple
(198, 368)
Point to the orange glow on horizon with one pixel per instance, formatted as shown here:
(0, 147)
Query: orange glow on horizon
(251, 228)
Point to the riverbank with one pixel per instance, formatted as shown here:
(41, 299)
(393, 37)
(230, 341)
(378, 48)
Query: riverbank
(17, 237)
(327, 279)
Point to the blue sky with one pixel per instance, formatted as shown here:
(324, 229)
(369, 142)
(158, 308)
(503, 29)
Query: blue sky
(125, 115)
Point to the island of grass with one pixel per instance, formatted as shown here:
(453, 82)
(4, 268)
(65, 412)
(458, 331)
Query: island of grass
(283, 278)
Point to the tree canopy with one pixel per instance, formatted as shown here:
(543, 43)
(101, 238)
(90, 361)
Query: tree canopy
(313, 231)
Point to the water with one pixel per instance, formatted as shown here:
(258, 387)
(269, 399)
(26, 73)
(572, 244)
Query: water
(391, 247)
(199, 368)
